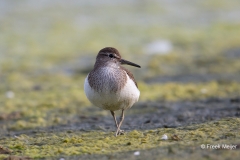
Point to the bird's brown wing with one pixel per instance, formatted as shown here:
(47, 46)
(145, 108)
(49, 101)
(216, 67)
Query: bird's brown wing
(130, 75)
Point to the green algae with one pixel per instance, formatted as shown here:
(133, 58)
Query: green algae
(49, 100)
(56, 103)
(189, 91)
(42, 145)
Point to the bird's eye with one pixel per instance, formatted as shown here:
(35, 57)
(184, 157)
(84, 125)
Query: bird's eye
(110, 55)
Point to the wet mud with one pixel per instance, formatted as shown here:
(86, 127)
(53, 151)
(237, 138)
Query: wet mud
(150, 115)
(179, 119)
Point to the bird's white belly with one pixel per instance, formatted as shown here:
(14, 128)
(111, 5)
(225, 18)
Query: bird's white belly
(113, 101)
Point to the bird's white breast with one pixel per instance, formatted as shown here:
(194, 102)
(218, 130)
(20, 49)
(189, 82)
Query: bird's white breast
(106, 99)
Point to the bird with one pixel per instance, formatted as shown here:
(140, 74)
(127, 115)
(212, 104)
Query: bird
(110, 86)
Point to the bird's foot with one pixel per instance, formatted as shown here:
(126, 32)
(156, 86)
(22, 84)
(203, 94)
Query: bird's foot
(120, 132)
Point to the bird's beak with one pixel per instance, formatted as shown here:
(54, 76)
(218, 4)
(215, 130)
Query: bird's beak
(123, 61)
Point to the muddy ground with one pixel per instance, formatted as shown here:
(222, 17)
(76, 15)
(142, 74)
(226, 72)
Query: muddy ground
(153, 115)
(146, 115)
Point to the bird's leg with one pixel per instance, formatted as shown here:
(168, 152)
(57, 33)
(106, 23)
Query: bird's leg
(114, 117)
(119, 132)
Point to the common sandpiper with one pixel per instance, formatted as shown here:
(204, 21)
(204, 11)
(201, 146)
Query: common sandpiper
(110, 86)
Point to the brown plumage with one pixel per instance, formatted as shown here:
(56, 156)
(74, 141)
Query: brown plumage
(116, 78)
(110, 86)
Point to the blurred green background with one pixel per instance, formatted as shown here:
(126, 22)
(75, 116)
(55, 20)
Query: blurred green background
(165, 37)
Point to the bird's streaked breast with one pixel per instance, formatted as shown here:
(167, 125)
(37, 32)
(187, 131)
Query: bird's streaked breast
(110, 97)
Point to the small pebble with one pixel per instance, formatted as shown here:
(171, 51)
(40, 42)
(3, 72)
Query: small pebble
(164, 137)
(204, 90)
(10, 94)
(160, 46)
(137, 153)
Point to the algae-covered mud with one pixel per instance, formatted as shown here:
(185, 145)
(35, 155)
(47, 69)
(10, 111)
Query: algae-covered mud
(189, 81)
(182, 141)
